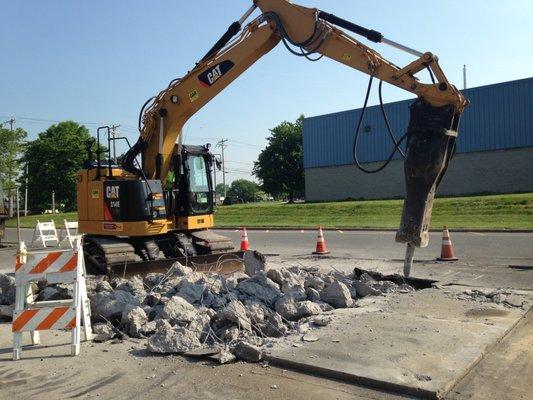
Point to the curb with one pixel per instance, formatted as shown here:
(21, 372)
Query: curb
(296, 228)
(352, 229)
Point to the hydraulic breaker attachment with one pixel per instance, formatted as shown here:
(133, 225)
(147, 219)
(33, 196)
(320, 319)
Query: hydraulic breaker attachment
(430, 145)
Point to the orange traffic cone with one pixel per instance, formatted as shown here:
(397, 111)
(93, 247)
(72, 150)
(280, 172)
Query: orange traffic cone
(321, 247)
(245, 245)
(446, 253)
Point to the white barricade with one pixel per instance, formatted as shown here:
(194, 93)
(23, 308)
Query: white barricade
(54, 266)
(71, 232)
(45, 232)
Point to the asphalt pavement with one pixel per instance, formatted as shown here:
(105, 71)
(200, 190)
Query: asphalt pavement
(474, 248)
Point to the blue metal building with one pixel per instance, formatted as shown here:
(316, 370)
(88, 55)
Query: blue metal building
(499, 117)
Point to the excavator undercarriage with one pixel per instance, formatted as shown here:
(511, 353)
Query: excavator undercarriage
(205, 251)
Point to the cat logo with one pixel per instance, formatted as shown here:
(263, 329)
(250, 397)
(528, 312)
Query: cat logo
(213, 74)
(111, 192)
(194, 95)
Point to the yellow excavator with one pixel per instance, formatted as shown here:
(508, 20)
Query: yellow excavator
(146, 214)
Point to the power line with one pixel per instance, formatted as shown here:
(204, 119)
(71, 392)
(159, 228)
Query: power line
(238, 143)
(240, 162)
(53, 121)
(238, 170)
(125, 127)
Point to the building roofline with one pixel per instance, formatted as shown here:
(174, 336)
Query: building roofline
(466, 91)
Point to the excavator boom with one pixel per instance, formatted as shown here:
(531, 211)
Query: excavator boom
(311, 33)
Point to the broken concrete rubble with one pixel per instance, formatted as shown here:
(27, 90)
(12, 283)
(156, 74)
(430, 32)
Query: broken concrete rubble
(7, 289)
(364, 289)
(6, 311)
(108, 306)
(261, 287)
(247, 352)
(133, 321)
(499, 296)
(190, 291)
(226, 357)
(237, 316)
(337, 295)
(293, 310)
(274, 326)
(169, 339)
(178, 310)
(236, 313)
(102, 332)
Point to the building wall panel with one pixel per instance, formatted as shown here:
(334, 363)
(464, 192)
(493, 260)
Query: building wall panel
(499, 116)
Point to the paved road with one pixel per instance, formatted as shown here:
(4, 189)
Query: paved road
(491, 248)
(483, 249)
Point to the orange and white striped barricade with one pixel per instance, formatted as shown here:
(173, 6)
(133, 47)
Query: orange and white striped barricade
(52, 266)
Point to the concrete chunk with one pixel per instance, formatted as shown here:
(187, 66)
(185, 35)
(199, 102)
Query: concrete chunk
(236, 313)
(274, 326)
(225, 357)
(133, 321)
(247, 352)
(178, 310)
(168, 339)
(337, 295)
(261, 287)
(7, 289)
(364, 289)
(102, 332)
(192, 292)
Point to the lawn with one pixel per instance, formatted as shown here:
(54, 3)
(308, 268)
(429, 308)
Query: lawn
(31, 220)
(499, 211)
(513, 211)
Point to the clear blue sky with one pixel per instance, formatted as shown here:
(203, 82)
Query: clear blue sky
(98, 61)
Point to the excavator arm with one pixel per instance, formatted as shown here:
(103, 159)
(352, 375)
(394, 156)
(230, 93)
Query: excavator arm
(434, 115)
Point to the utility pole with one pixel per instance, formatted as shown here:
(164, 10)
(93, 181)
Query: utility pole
(26, 192)
(214, 179)
(114, 133)
(464, 76)
(10, 121)
(18, 215)
(222, 144)
(53, 202)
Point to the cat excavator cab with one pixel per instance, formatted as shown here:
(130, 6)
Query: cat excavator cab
(147, 214)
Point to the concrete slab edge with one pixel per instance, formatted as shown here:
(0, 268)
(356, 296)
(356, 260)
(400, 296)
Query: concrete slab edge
(384, 386)
(454, 382)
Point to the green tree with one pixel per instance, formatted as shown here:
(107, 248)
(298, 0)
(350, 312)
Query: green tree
(53, 160)
(11, 147)
(243, 190)
(280, 165)
(219, 189)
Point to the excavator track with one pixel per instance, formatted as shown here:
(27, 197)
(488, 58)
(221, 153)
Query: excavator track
(205, 252)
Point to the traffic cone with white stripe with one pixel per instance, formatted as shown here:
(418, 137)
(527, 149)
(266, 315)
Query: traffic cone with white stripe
(245, 245)
(321, 247)
(446, 253)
